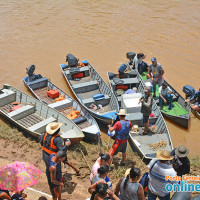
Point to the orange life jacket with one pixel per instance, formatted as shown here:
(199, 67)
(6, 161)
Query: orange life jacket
(52, 148)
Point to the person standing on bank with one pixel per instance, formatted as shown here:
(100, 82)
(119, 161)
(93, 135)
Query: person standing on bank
(122, 129)
(147, 102)
(159, 168)
(156, 72)
(54, 175)
(181, 163)
(52, 143)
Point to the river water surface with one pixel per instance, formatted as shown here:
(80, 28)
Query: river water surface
(42, 33)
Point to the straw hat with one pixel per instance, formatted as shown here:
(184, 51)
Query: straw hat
(121, 112)
(53, 127)
(127, 172)
(181, 151)
(163, 155)
(153, 129)
(134, 129)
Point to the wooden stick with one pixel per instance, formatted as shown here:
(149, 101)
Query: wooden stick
(85, 160)
(177, 104)
(109, 136)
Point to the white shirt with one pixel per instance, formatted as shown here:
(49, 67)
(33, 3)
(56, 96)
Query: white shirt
(137, 61)
(164, 92)
(160, 170)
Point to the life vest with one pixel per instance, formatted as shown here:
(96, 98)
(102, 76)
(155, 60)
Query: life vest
(124, 131)
(73, 114)
(60, 98)
(122, 87)
(50, 148)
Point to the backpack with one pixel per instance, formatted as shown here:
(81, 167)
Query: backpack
(145, 178)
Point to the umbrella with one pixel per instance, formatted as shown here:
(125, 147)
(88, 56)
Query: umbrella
(18, 176)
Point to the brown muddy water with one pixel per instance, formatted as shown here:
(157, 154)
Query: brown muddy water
(43, 32)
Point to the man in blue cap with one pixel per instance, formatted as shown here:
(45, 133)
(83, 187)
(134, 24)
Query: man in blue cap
(156, 72)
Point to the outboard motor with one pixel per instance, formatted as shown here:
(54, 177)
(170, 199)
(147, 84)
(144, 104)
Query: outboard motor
(189, 91)
(130, 56)
(31, 76)
(72, 60)
(122, 69)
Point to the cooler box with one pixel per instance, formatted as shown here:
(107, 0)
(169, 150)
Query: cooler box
(53, 93)
(130, 102)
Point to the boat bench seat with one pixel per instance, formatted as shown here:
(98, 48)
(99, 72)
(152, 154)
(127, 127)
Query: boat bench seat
(39, 83)
(128, 81)
(6, 97)
(59, 105)
(41, 126)
(86, 87)
(90, 101)
(85, 70)
(21, 112)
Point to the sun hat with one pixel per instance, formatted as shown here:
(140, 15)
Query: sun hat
(134, 129)
(163, 155)
(134, 89)
(51, 128)
(153, 59)
(127, 172)
(153, 129)
(181, 151)
(121, 112)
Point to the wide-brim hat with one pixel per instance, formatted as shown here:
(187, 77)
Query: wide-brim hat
(51, 128)
(127, 172)
(153, 129)
(135, 129)
(121, 112)
(181, 151)
(163, 155)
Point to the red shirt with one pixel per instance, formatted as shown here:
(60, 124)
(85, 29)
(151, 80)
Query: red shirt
(117, 126)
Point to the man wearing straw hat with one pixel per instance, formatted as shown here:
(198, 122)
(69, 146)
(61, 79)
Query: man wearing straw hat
(122, 129)
(52, 142)
(159, 169)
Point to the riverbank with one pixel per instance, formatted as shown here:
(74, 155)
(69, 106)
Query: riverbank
(17, 146)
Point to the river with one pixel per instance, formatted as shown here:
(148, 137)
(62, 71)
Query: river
(42, 33)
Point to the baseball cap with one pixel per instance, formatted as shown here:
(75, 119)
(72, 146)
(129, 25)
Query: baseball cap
(153, 59)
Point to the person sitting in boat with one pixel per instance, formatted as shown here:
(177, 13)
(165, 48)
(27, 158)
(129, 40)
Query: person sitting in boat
(122, 129)
(156, 72)
(147, 102)
(139, 64)
(195, 98)
(165, 96)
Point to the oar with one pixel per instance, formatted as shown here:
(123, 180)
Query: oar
(16, 103)
(177, 104)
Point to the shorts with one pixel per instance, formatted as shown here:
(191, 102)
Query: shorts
(159, 82)
(116, 148)
(145, 119)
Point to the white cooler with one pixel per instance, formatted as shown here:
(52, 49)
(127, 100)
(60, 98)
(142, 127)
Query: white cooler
(130, 102)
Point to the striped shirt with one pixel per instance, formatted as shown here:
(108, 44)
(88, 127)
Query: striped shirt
(157, 182)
